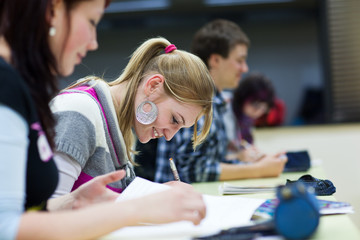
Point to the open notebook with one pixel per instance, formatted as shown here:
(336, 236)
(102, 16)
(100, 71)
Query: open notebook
(222, 212)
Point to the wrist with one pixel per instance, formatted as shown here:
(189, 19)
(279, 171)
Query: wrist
(60, 203)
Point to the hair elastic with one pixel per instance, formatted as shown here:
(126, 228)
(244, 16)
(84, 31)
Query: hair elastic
(170, 48)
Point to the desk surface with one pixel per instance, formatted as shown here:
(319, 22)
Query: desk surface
(336, 145)
(322, 142)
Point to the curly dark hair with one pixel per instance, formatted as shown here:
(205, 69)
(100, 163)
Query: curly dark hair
(254, 88)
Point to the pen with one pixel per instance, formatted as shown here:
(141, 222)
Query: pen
(245, 144)
(174, 170)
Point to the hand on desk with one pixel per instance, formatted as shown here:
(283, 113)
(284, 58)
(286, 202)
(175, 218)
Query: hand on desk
(176, 204)
(271, 165)
(181, 202)
(179, 184)
(263, 165)
(249, 154)
(94, 191)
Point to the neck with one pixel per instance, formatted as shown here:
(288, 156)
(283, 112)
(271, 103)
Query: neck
(217, 82)
(5, 51)
(118, 93)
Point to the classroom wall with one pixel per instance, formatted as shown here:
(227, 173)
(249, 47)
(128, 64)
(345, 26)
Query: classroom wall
(285, 46)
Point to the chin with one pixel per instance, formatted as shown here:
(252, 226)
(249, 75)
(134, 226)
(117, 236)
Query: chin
(142, 140)
(67, 71)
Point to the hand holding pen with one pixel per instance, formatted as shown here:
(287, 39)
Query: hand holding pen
(249, 152)
(245, 152)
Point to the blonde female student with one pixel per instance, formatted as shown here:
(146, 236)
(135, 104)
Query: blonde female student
(40, 40)
(161, 90)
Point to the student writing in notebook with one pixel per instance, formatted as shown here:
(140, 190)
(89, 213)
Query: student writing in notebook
(40, 40)
(161, 90)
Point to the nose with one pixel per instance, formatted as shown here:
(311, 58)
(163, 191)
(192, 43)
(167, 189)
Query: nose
(93, 44)
(245, 67)
(170, 132)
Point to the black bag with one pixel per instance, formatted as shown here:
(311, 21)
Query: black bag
(297, 161)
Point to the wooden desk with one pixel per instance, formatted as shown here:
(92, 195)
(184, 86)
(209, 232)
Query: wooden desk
(338, 148)
(330, 227)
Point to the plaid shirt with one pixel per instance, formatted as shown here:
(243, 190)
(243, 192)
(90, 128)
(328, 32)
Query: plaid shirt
(201, 165)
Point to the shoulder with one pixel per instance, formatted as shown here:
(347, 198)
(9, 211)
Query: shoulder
(10, 78)
(14, 92)
(79, 102)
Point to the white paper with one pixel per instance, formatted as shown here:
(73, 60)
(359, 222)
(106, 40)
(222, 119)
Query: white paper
(140, 187)
(222, 212)
(227, 188)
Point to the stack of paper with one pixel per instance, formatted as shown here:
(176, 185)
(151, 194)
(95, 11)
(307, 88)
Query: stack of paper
(222, 212)
(227, 188)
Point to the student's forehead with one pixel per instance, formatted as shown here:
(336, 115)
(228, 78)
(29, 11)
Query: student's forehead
(239, 46)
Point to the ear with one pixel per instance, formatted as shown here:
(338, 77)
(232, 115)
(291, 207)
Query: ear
(214, 60)
(52, 13)
(154, 83)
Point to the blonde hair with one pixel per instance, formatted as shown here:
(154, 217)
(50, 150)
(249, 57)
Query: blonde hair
(187, 79)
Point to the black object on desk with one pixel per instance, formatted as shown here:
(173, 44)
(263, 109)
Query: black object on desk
(297, 161)
(264, 228)
(321, 187)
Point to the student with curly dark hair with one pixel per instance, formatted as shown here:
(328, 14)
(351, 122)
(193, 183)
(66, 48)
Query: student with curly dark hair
(252, 99)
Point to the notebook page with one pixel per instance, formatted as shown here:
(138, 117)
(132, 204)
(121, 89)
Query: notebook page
(222, 212)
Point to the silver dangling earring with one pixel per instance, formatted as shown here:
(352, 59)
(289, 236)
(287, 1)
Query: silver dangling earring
(52, 31)
(146, 117)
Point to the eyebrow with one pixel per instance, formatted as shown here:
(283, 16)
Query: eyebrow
(183, 120)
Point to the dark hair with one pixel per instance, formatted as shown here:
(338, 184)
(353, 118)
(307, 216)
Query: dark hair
(254, 88)
(218, 36)
(25, 28)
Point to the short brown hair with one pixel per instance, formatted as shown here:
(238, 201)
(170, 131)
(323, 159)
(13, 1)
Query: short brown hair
(218, 36)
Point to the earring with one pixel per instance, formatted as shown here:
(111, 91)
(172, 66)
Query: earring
(146, 117)
(52, 31)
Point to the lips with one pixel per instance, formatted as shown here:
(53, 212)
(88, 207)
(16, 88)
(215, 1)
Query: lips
(80, 57)
(156, 133)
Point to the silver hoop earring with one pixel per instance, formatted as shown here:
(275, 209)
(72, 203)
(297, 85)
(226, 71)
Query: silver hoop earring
(146, 117)
(52, 31)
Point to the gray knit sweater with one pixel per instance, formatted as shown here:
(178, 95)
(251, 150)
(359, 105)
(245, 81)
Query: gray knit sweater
(87, 130)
